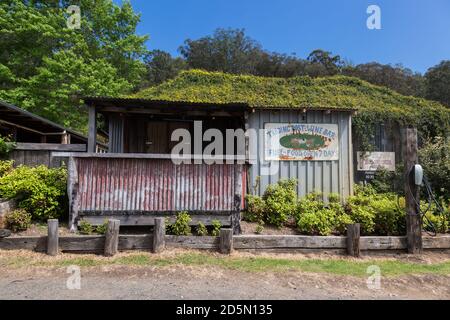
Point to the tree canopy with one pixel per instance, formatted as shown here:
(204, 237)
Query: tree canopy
(45, 67)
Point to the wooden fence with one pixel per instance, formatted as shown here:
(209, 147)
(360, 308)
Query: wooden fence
(34, 154)
(225, 243)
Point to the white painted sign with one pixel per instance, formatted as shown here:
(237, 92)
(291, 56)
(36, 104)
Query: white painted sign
(301, 141)
(372, 161)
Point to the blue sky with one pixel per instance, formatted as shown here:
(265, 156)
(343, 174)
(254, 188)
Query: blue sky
(415, 33)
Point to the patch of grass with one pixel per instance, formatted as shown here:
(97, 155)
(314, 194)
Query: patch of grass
(247, 264)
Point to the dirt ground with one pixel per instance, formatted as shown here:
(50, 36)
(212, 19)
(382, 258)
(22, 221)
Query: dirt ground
(212, 282)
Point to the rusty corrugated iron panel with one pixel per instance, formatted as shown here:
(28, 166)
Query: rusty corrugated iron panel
(108, 184)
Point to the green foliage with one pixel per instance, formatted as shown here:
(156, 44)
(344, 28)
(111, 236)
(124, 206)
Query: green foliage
(101, 229)
(280, 201)
(201, 229)
(216, 228)
(259, 227)
(18, 220)
(103, 57)
(6, 146)
(434, 156)
(40, 190)
(378, 213)
(85, 227)
(314, 217)
(438, 82)
(389, 181)
(5, 167)
(256, 208)
(181, 225)
(436, 220)
(375, 104)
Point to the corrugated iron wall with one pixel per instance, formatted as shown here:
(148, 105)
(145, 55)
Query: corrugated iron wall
(325, 176)
(115, 184)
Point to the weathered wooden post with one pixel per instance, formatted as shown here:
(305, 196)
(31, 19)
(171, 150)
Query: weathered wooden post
(353, 239)
(412, 194)
(112, 237)
(226, 240)
(52, 237)
(159, 233)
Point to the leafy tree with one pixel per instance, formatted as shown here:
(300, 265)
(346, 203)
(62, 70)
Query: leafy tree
(438, 82)
(161, 66)
(398, 78)
(227, 50)
(48, 66)
(323, 63)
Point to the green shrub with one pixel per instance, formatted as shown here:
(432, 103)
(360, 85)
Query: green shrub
(434, 156)
(5, 167)
(181, 225)
(216, 228)
(85, 227)
(320, 222)
(201, 229)
(6, 146)
(101, 229)
(281, 201)
(315, 217)
(256, 208)
(334, 197)
(18, 220)
(40, 190)
(259, 227)
(390, 217)
(378, 213)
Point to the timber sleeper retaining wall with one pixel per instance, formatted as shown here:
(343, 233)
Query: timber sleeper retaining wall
(96, 243)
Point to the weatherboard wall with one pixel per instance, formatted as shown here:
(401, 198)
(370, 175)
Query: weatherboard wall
(325, 176)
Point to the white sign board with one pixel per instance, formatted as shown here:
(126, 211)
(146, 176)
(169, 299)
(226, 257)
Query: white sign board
(301, 141)
(372, 161)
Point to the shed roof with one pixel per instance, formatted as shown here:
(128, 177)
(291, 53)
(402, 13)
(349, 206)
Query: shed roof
(25, 119)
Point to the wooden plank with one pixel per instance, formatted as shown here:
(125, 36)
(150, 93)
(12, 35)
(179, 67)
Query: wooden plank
(36, 243)
(382, 243)
(112, 237)
(82, 243)
(226, 240)
(159, 232)
(50, 147)
(353, 239)
(52, 237)
(439, 242)
(135, 241)
(168, 156)
(149, 220)
(193, 242)
(288, 241)
(412, 195)
(293, 243)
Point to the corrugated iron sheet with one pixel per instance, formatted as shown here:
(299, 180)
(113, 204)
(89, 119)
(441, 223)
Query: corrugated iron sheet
(108, 184)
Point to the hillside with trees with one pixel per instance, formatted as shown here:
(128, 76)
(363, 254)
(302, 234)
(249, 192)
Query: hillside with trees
(47, 68)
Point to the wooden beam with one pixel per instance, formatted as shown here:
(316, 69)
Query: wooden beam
(149, 220)
(50, 146)
(226, 240)
(52, 237)
(112, 238)
(159, 232)
(412, 195)
(353, 236)
(92, 131)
